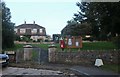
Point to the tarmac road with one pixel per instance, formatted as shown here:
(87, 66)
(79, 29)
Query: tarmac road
(30, 72)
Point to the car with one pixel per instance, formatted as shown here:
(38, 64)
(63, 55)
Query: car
(4, 60)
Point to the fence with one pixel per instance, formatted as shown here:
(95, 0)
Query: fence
(36, 55)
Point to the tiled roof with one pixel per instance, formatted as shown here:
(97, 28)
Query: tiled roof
(29, 26)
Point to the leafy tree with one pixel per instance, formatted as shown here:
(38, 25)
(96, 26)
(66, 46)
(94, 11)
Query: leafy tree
(102, 17)
(75, 29)
(7, 28)
(81, 15)
(17, 37)
(0, 27)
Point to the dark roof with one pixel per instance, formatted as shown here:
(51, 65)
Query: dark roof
(29, 26)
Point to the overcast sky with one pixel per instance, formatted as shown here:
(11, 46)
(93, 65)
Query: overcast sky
(51, 14)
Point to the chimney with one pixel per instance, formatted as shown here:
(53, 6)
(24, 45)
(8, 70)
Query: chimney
(24, 22)
(33, 22)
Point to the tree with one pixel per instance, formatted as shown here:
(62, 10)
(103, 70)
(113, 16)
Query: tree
(0, 27)
(75, 29)
(78, 25)
(102, 17)
(107, 15)
(7, 28)
(81, 16)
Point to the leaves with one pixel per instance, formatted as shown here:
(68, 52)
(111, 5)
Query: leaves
(7, 28)
(103, 17)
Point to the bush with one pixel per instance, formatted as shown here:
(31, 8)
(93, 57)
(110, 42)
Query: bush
(34, 41)
(17, 37)
(103, 37)
(116, 41)
(46, 40)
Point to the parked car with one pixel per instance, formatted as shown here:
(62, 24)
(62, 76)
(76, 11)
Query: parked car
(4, 60)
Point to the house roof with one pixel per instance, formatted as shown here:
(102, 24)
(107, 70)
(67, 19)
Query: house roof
(29, 26)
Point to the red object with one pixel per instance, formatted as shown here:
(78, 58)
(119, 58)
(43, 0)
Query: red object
(62, 44)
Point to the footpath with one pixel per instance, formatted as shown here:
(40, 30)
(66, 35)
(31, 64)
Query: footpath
(93, 72)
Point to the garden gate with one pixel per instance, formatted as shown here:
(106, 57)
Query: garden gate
(34, 54)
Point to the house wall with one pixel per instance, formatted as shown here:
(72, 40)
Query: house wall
(35, 35)
(38, 37)
(30, 31)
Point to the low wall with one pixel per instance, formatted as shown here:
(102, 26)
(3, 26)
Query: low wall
(86, 57)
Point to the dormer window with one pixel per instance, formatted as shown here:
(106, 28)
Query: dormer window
(41, 30)
(34, 31)
(22, 30)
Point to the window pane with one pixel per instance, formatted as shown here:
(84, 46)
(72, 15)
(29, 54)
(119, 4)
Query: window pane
(22, 30)
(41, 30)
(15, 30)
(34, 31)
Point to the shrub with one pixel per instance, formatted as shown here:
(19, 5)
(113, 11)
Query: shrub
(116, 41)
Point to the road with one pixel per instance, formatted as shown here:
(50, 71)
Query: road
(28, 71)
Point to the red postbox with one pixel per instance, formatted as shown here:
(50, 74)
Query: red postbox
(62, 44)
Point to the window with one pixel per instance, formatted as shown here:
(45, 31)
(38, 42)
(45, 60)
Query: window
(15, 30)
(34, 31)
(22, 30)
(41, 30)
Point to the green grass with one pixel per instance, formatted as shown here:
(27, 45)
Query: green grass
(111, 67)
(17, 46)
(44, 46)
(98, 46)
(86, 46)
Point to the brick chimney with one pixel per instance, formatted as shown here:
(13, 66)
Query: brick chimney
(24, 22)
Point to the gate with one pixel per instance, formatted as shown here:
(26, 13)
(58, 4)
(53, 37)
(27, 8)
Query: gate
(36, 55)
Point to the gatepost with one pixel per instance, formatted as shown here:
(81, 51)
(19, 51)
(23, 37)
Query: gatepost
(51, 53)
(12, 55)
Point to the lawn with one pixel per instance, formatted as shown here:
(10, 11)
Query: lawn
(98, 46)
(86, 46)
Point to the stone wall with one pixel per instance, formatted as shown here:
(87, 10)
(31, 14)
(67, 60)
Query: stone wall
(86, 57)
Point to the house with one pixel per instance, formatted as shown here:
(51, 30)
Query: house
(34, 30)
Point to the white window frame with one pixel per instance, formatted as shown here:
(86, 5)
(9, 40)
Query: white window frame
(41, 30)
(22, 31)
(16, 30)
(34, 31)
